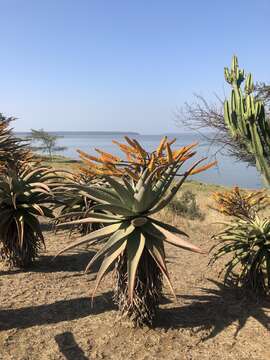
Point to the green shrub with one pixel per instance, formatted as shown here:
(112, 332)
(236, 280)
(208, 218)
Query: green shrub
(186, 206)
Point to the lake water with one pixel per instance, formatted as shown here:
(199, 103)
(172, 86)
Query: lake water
(228, 172)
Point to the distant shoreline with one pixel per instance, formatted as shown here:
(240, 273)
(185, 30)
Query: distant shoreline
(83, 132)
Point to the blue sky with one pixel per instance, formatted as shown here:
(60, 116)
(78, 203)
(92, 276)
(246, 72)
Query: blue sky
(122, 65)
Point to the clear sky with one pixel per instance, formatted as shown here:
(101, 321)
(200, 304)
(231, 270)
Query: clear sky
(122, 64)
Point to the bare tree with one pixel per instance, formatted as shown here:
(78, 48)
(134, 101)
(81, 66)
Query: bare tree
(47, 141)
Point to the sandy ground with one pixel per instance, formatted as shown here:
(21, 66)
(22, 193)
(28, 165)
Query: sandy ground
(46, 313)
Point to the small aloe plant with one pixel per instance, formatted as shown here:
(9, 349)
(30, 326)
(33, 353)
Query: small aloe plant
(245, 239)
(24, 197)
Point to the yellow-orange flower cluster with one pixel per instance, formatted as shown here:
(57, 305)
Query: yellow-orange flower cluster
(136, 159)
(240, 203)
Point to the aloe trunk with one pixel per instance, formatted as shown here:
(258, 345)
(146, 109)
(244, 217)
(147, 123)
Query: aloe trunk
(147, 290)
(245, 118)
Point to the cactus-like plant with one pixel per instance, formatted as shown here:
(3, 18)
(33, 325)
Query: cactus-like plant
(245, 118)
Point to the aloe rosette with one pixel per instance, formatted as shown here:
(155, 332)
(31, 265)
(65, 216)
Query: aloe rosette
(24, 196)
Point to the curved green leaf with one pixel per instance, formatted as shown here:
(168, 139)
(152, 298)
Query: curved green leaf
(119, 210)
(135, 246)
(92, 237)
(120, 234)
(112, 255)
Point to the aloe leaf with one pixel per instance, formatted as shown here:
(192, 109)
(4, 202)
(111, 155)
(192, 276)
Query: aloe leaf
(120, 234)
(109, 259)
(164, 178)
(111, 192)
(38, 191)
(145, 195)
(165, 201)
(125, 196)
(128, 186)
(135, 246)
(93, 216)
(35, 225)
(156, 250)
(141, 180)
(89, 220)
(30, 174)
(38, 208)
(99, 195)
(40, 185)
(113, 209)
(92, 192)
(168, 227)
(92, 237)
(177, 241)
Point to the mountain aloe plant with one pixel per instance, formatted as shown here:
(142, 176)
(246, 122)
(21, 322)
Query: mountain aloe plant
(245, 240)
(134, 240)
(13, 152)
(24, 196)
(245, 118)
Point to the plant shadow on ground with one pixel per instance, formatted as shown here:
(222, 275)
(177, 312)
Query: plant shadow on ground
(214, 310)
(75, 262)
(68, 347)
(69, 262)
(63, 310)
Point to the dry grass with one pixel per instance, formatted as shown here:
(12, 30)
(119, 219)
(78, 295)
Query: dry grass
(46, 312)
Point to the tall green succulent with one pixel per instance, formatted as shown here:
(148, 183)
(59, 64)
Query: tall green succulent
(245, 118)
(133, 239)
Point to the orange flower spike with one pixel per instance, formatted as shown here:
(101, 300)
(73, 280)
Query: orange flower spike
(87, 156)
(186, 157)
(130, 142)
(113, 169)
(151, 165)
(183, 150)
(169, 154)
(108, 156)
(139, 148)
(89, 163)
(125, 148)
(176, 153)
(161, 146)
(203, 168)
(189, 147)
(172, 141)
